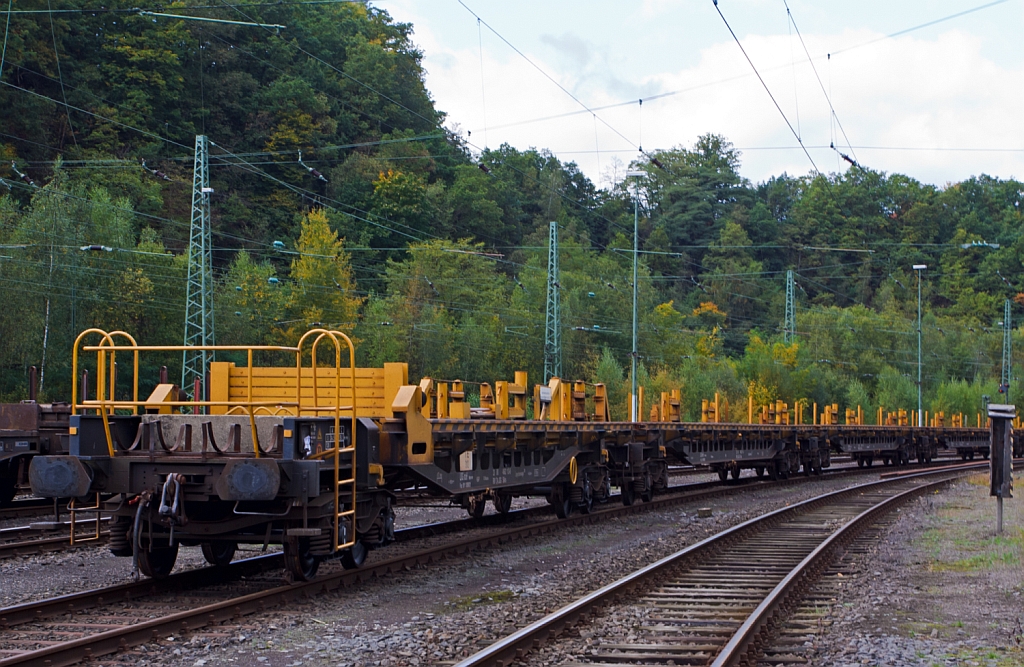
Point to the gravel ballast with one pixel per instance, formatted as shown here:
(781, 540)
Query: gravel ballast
(439, 613)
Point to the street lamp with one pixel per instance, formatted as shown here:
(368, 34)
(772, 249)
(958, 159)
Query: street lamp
(918, 268)
(634, 407)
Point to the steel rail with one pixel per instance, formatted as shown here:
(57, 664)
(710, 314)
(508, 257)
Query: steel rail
(750, 640)
(75, 602)
(124, 637)
(26, 507)
(49, 544)
(515, 646)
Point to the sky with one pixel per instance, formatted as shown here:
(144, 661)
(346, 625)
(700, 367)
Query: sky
(940, 103)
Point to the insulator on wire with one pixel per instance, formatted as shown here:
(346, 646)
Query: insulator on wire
(24, 177)
(313, 172)
(156, 172)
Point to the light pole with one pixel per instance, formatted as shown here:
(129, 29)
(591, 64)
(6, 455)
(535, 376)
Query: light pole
(634, 406)
(918, 268)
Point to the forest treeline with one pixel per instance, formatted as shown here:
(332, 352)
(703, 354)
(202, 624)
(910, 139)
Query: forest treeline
(394, 227)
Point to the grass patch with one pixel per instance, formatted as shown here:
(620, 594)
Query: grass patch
(985, 554)
(981, 479)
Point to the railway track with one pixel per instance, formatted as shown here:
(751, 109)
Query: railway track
(719, 602)
(55, 632)
(31, 540)
(22, 507)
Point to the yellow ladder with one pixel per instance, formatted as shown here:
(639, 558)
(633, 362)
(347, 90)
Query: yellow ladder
(344, 487)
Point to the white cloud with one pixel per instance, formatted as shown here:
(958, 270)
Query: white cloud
(918, 92)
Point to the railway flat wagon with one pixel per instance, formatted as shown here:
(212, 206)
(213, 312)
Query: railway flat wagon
(28, 429)
(315, 454)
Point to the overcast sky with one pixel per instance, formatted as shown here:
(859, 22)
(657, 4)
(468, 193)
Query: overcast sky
(955, 86)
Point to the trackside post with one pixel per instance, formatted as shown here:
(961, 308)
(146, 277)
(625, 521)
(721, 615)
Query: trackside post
(1001, 417)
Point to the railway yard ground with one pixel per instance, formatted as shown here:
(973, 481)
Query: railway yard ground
(932, 586)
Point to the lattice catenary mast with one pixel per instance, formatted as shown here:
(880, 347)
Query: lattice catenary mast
(552, 322)
(789, 327)
(199, 291)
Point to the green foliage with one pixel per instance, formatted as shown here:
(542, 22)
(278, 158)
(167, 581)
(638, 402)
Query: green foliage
(426, 257)
(960, 396)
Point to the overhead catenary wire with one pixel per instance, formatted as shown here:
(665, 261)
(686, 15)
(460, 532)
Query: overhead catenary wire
(483, 97)
(828, 97)
(672, 93)
(796, 95)
(60, 76)
(546, 75)
(768, 90)
(7, 31)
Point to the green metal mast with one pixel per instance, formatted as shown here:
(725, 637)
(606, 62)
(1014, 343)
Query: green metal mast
(199, 290)
(552, 321)
(789, 327)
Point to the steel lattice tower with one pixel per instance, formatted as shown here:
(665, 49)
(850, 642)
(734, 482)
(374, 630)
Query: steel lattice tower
(199, 291)
(1007, 353)
(552, 322)
(789, 326)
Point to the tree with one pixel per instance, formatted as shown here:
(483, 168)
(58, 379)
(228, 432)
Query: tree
(322, 292)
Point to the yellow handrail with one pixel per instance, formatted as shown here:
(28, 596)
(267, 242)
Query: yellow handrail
(106, 402)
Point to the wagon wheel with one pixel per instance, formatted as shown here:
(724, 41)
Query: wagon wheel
(354, 557)
(219, 553)
(502, 502)
(158, 561)
(299, 559)
(476, 506)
